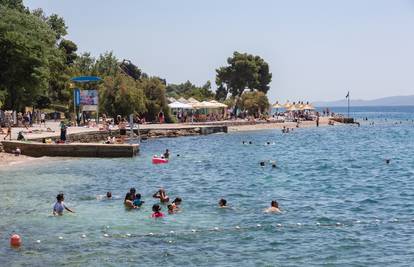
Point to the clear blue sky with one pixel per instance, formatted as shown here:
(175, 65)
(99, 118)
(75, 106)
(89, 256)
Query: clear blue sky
(316, 50)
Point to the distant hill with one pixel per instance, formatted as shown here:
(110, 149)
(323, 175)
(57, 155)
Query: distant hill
(385, 101)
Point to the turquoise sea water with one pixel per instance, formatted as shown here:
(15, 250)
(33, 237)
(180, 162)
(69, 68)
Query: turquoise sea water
(342, 205)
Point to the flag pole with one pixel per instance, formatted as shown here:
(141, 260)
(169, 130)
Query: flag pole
(348, 104)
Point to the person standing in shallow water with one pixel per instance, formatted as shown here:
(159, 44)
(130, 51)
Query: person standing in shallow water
(59, 206)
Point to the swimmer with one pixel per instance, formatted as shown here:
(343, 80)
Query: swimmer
(170, 209)
(176, 203)
(262, 163)
(132, 191)
(250, 142)
(243, 142)
(267, 143)
(60, 206)
(129, 201)
(157, 211)
(108, 196)
(178, 155)
(388, 161)
(274, 207)
(223, 203)
(166, 154)
(274, 165)
(162, 195)
(137, 201)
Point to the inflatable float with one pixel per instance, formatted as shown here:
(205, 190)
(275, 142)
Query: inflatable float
(157, 160)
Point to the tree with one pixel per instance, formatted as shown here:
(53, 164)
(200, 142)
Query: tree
(69, 49)
(245, 71)
(121, 95)
(188, 90)
(254, 102)
(130, 69)
(27, 46)
(221, 93)
(154, 90)
(57, 24)
(13, 4)
(84, 64)
(107, 65)
(42, 102)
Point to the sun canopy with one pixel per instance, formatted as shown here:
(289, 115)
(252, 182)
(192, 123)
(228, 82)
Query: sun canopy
(86, 79)
(277, 105)
(217, 104)
(177, 104)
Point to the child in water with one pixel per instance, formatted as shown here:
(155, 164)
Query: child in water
(162, 195)
(60, 206)
(157, 211)
(176, 203)
(137, 201)
(170, 209)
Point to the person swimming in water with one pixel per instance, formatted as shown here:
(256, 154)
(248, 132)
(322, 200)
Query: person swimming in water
(137, 201)
(157, 211)
(262, 163)
(59, 206)
(176, 203)
(162, 195)
(170, 209)
(274, 207)
(223, 203)
(129, 201)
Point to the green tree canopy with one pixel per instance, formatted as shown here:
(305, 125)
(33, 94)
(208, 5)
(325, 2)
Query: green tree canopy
(254, 102)
(107, 65)
(188, 90)
(154, 90)
(121, 95)
(13, 4)
(27, 46)
(245, 71)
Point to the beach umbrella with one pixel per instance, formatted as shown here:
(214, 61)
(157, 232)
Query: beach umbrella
(183, 100)
(277, 105)
(308, 107)
(217, 104)
(177, 104)
(287, 105)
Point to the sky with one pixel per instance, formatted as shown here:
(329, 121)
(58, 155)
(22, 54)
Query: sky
(317, 50)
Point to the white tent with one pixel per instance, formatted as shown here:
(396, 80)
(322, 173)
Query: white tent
(177, 104)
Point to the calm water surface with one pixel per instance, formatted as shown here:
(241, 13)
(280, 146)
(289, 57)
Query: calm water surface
(325, 176)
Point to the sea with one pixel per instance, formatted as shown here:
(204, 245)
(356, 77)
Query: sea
(342, 203)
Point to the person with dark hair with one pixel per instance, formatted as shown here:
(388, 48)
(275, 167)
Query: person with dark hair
(166, 154)
(170, 209)
(176, 203)
(162, 195)
(157, 211)
(274, 207)
(223, 203)
(129, 201)
(60, 206)
(137, 201)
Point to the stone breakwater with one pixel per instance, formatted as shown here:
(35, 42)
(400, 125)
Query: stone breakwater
(99, 136)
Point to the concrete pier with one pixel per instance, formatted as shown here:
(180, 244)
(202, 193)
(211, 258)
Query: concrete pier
(34, 149)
